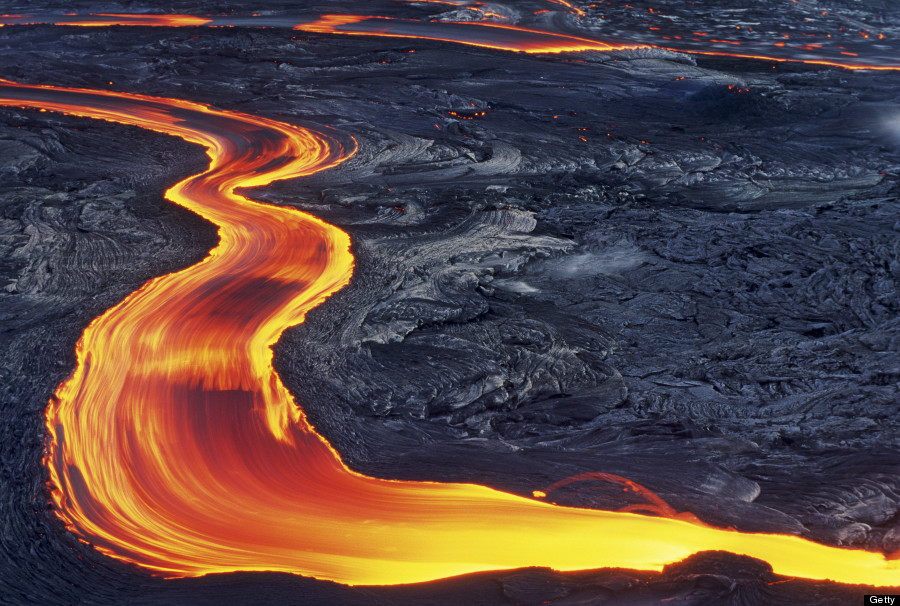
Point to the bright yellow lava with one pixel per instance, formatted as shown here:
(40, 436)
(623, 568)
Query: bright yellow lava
(175, 446)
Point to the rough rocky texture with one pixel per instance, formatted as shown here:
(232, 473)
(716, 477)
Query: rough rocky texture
(679, 270)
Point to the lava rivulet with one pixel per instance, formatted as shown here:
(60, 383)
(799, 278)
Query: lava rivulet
(500, 36)
(175, 446)
(108, 19)
(485, 35)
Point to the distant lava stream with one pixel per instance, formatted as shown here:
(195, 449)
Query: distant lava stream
(485, 35)
(500, 36)
(175, 446)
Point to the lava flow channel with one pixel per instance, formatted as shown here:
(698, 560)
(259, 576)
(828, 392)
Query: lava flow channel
(175, 446)
(480, 34)
(484, 35)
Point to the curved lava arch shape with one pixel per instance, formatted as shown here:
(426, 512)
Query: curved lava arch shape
(175, 446)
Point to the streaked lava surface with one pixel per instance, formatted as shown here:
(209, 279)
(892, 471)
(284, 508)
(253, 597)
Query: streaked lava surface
(859, 46)
(176, 447)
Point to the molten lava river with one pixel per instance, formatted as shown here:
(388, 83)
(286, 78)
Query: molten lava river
(175, 446)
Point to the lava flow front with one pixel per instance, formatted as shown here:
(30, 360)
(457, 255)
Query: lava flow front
(175, 446)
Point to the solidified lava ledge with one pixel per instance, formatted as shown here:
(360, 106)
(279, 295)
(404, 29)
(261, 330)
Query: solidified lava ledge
(676, 268)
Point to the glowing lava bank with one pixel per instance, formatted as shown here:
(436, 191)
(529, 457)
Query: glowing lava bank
(175, 446)
(500, 36)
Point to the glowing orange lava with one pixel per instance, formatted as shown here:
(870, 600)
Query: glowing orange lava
(108, 19)
(821, 62)
(175, 446)
(569, 6)
(485, 35)
(327, 24)
(512, 38)
(143, 20)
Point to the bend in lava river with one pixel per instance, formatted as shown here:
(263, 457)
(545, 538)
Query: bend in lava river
(175, 446)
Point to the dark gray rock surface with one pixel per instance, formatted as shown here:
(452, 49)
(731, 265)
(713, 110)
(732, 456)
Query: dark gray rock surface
(681, 270)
